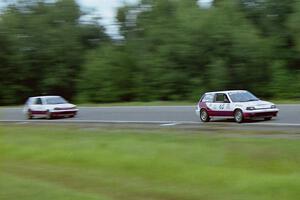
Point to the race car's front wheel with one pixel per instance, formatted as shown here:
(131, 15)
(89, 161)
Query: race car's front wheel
(48, 115)
(238, 116)
(204, 117)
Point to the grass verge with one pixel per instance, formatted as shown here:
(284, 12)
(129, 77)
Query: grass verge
(112, 164)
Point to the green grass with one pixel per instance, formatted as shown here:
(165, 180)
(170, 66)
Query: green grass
(41, 163)
(286, 101)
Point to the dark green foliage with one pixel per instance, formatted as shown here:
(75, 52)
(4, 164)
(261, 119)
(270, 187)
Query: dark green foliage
(43, 47)
(171, 50)
(105, 79)
(180, 50)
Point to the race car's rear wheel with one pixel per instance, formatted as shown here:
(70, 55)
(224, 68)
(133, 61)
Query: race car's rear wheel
(238, 116)
(29, 114)
(204, 117)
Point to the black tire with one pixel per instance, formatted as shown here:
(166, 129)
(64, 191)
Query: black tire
(268, 118)
(48, 115)
(204, 117)
(238, 116)
(29, 114)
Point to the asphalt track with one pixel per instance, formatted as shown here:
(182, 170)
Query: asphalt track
(289, 115)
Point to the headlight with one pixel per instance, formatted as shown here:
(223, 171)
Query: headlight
(250, 108)
(273, 106)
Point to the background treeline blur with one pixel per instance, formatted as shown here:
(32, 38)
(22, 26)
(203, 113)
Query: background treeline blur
(169, 50)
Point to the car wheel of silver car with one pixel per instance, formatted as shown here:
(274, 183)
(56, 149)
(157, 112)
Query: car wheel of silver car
(48, 115)
(238, 116)
(29, 114)
(204, 117)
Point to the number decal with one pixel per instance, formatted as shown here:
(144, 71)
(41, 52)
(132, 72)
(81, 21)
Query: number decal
(222, 106)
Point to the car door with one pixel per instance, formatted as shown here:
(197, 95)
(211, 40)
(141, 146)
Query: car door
(222, 105)
(37, 107)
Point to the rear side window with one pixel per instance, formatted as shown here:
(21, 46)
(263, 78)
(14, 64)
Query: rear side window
(221, 98)
(208, 98)
(38, 101)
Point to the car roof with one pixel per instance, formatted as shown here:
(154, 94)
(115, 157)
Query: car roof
(226, 91)
(43, 97)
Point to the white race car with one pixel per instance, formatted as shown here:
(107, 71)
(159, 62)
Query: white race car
(49, 107)
(237, 104)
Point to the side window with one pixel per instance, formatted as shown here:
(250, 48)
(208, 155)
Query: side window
(208, 98)
(221, 98)
(38, 101)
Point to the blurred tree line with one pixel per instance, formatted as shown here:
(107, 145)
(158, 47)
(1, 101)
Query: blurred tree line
(169, 50)
(42, 48)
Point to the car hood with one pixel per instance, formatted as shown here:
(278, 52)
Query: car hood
(259, 104)
(65, 105)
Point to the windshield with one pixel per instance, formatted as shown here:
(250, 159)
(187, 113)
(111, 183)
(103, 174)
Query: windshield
(242, 97)
(55, 100)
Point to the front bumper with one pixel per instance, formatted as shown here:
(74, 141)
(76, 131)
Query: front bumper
(261, 113)
(59, 113)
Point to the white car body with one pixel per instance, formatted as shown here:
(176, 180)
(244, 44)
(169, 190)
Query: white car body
(214, 105)
(46, 106)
